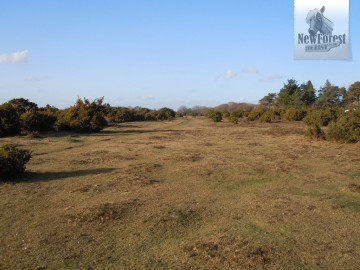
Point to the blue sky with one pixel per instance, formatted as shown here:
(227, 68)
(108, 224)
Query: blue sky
(157, 53)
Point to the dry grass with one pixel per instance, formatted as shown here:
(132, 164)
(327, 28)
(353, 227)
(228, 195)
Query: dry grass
(186, 194)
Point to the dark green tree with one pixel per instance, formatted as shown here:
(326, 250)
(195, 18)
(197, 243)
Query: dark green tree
(289, 95)
(22, 105)
(165, 114)
(353, 94)
(307, 94)
(331, 95)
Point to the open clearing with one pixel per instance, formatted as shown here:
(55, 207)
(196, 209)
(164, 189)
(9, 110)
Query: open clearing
(185, 194)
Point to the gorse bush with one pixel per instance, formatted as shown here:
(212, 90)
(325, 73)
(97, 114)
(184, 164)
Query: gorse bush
(12, 161)
(322, 117)
(122, 114)
(270, 116)
(293, 114)
(164, 114)
(84, 116)
(34, 120)
(256, 113)
(346, 128)
(216, 116)
(9, 120)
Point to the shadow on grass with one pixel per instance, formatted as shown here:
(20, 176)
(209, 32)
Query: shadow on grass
(51, 176)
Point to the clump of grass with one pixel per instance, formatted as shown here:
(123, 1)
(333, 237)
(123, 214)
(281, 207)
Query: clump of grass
(72, 139)
(231, 253)
(183, 216)
(180, 216)
(104, 212)
(315, 132)
(354, 187)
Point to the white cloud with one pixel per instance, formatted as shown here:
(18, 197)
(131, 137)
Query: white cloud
(251, 70)
(271, 78)
(15, 57)
(230, 74)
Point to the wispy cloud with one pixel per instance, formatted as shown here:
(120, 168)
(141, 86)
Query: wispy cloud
(251, 70)
(32, 78)
(15, 57)
(271, 78)
(230, 74)
(147, 97)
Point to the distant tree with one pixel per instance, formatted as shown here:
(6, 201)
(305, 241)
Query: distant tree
(331, 95)
(307, 95)
(184, 110)
(353, 94)
(165, 114)
(22, 105)
(268, 100)
(289, 95)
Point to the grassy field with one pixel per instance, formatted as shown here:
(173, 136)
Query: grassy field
(185, 194)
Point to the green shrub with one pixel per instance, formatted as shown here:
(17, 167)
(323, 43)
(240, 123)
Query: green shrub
(30, 121)
(84, 116)
(270, 116)
(216, 116)
(346, 128)
(266, 117)
(12, 161)
(234, 118)
(165, 114)
(9, 120)
(256, 113)
(321, 117)
(225, 114)
(238, 113)
(292, 114)
(22, 105)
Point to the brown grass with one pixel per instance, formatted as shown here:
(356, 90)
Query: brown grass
(185, 194)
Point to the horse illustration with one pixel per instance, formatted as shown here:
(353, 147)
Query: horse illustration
(318, 22)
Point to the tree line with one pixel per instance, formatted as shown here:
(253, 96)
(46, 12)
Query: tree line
(331, 112)
(21, 116)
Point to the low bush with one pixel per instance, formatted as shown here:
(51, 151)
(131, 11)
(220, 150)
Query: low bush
(84, 116)
(256, 114)
(31, 120)
(315, 132)
(216, 116)
(321, 117)
(293, 114)
(9, 120)
(12, 161)
(270, 116)
(346, 128)
(234, 118)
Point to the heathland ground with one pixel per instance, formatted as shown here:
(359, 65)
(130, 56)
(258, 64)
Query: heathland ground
(183, 194)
